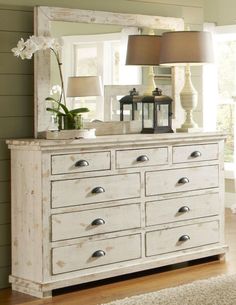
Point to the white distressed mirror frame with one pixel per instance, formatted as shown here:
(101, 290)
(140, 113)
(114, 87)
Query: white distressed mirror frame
(42, 18)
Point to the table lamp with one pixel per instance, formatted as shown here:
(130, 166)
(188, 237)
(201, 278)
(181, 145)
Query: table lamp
(80, 86)
(143, 50)
(187, 48)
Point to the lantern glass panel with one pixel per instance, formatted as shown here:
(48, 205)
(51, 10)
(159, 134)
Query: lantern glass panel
(127, 112)
(138, 111)
(148, 115)
(162, 115)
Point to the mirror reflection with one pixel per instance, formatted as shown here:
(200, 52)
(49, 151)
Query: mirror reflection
(100, 49)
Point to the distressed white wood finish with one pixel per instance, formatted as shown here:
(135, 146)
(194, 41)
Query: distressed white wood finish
(164, 182)
(185, 153)
(27, 237)
(165, 211)
(80, 256)
(51, 238)
(164, 241)
(42, 19)
(115, 127)
(130, 158)
(79, 224)
(68, 163)
(81, 191)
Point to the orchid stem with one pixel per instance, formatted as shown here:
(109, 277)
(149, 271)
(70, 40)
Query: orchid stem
(61, 77)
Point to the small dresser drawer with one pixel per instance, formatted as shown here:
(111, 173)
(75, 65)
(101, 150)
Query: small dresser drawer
(172, 210)
(96, 253)
(180, 238)
(97, 221)
(195, 153)
(141, 157)
(91, 190)
(82, 162)
(181, 180)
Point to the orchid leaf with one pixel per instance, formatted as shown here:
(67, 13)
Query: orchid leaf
(49, 98)
(55, 111)
(79, 110)
(60, 104)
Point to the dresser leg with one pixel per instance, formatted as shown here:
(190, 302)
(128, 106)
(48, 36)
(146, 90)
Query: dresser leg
(32, 292)
(221, 257)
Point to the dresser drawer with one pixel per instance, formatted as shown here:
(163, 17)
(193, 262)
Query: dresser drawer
(181, 180)
(95, 253)
(180, 238)
(97, 221)
(91, 190)
(82, 162)
(195, 153)
(172, 210)
(141, 157)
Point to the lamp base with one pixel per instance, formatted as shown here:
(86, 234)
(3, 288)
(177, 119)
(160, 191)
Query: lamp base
(189, 129)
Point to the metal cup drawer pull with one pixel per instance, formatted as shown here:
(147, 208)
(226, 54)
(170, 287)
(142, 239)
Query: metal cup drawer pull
(81, 163)
(184, 209)
(196, 154)
(142, 158)
(98, 222)
(98, 190)
(183, 180)
(184, 237)
(99, 253)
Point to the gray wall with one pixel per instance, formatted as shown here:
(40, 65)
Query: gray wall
(16, 80)
(16, 113)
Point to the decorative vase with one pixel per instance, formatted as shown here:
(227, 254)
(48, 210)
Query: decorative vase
(79, 121)
(70, 122)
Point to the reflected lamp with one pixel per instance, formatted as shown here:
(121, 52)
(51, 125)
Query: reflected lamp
(81, 86)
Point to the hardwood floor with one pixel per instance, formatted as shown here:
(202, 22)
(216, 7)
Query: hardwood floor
(142, 282)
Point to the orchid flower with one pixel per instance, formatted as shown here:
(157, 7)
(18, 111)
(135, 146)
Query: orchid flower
(26, 50)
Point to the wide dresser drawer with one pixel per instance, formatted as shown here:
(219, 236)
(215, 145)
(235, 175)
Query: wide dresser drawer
(180, 238)
(177, 209)
(195, 153)
(96, 221)
(96, 253)
(81, 162)
(96, 189)
(141, 157)
(181, 180)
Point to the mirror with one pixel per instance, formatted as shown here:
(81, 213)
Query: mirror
(85, 25)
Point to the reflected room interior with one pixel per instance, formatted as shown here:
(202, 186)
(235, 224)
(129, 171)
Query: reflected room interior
(88, 50)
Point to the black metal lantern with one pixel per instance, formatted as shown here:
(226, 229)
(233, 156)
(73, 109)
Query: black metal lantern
(128, 105)
(156, 113)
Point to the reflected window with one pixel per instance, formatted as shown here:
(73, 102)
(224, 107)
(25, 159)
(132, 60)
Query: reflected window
(86, 59)
(104, 55)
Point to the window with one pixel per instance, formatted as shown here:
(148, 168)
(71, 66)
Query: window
(226, 79)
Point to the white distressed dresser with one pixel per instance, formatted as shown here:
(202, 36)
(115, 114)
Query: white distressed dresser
(89, 209)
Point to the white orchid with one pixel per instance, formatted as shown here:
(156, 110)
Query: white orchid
(26, 49)
(56, 89)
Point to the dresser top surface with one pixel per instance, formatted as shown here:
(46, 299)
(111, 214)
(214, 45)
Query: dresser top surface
(136, 139)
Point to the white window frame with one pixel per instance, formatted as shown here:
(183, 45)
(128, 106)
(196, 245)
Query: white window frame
(211, 92)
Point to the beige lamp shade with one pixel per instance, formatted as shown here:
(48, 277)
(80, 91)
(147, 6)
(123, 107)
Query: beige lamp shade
(181, 47)
(143, 50)
(84, 86)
